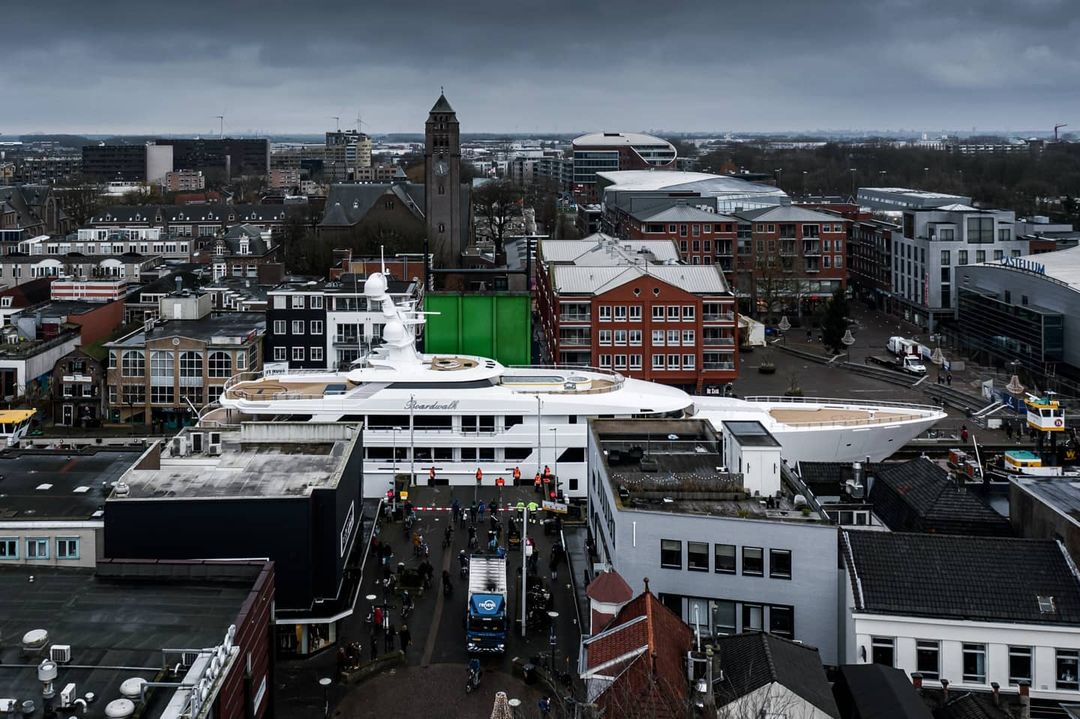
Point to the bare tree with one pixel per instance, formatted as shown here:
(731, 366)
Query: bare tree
(497, 205)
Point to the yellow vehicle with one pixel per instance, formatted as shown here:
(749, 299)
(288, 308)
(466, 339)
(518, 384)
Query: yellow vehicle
(15, 424)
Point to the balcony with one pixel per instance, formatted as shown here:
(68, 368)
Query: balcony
(717, 366)
(812, 267)
(574, 317)
(787, 248)
(811, 247)
(575, 340)
(718, 317)
(718, 342)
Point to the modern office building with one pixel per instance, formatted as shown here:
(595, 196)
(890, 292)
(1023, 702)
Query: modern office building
(1023, 309)
(347, 152)
(287, 491)
(236, 156)
(612, 151)
(931, 248)
(898, 199)
(725, 540)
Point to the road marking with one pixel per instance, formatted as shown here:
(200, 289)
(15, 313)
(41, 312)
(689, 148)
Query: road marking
(436, 616)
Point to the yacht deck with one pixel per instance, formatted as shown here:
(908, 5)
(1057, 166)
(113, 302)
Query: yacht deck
(815, 416)
(273, 388)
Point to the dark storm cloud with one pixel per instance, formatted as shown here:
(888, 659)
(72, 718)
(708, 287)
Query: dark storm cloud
(129, 66)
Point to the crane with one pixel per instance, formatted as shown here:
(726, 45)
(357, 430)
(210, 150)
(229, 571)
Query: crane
(1063, 124)
(221, 125)
(337, 122)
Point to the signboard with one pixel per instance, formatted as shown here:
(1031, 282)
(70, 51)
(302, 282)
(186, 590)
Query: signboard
(556, 507)
(404, 494)
(347, 527)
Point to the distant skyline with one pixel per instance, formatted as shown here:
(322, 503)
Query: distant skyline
(271, 67)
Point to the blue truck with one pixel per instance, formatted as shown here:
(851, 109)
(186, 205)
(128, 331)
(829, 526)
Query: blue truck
(486, 624)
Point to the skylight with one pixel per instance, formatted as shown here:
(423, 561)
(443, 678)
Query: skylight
(1046, 605)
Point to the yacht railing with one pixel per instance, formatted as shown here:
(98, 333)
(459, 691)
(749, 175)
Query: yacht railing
(834, 401)
(852, 422)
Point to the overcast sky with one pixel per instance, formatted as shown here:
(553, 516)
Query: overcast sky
(539, 66)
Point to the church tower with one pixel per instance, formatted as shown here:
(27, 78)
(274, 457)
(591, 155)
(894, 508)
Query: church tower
(442, 185)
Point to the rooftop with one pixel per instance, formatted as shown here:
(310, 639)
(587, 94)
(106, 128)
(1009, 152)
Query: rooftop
(1062, 266)
(600, 250)
(920, 496)
(700, 182)
(755, 659)
(38, 485)
(959, 577)
(677, 466)
(260, 459)
(112, 620)
(680, 213)
(595, 280)
(878, 691)
(620, 139)
(225, 328)
(750, 433)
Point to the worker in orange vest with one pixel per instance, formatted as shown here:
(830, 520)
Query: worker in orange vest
(479, 475)
(536, 483)
(499, 481)
(517, 474)
(547, 472)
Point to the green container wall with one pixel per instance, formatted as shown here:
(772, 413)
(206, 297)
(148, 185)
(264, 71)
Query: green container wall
(495, 325)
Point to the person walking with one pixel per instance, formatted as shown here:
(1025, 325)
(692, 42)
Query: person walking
(553, 565)
(374, 643)
(480, 511)
(378, 616)
(544, 705)
(404, 638)
(388, 639)
(964, 433)
(537, 483)
(948, 379)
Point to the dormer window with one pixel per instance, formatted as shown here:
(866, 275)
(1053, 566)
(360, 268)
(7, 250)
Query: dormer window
(1046, 605)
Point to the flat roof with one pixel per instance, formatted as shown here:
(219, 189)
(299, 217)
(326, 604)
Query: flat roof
(38, 485)
(620, 139)
(110, 621)
(1060, 265)
(261, 459)
(1060, 494)
(676, 466)
(223, 325)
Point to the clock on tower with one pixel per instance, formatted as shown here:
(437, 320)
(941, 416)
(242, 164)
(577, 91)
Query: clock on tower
(442, 185)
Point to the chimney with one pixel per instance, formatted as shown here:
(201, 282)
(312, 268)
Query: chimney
(996, 689)
(179, 284)
(1025, 700)
(916, 681)
(944, 690)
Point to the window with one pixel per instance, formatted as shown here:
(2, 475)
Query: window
(697, 556)
(724, 558)
(297, 354)
(752, 617)
(1004, 234)
(658, 361)
(882, 650)
(620, 313)
(67, 547)
(281, 354)
(673, 338)
(962, 257)
(37, 548)
(133, 394)
(279, 327)
(688, 338)
(753, 561)
(191, 364)
(161, 364)
(723, 617)
(838, 262)
(673, 313)
(9, 548)
(658, 338)
(928, 659)
(316, 302)
(635, 361)
(298, 327)
(605, 313)
(782, 621)
(688, 313)
(980, 256)
(673, 361)
(1019, 665)
(688, 361)
(1067, 660)
(161, 394)
(620, 337)
(620, 361)
(946, 257)
(780, 563)
(297, 300)
(220, 364)
(316, 327)
(635, 313)
(974, 665)
(658, 313)
(605, 361)
(133, 364)
(671, 553)
(635, 338)
(605, 337)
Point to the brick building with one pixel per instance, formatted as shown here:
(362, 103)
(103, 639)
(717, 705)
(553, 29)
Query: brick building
(625, 306)
(193, 220)
(703, 238)
(77, 390)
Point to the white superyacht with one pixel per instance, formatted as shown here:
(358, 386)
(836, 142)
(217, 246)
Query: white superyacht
(458, 414)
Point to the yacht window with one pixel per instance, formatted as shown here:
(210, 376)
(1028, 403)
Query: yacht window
(468, 423)
(486, 454)
(572, 454)
(517, 454)
(387, 421)
(512, 420)
(421, 453)
(433, 421)
(443, 454)
(487, 424)
(573, 485)
(468, 454)
(379, 453)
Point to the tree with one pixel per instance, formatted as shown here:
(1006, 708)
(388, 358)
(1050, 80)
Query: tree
(834, 322)
(497, 204)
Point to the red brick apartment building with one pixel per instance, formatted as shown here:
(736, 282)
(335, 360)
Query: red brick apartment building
(703, 238)
(630, 306)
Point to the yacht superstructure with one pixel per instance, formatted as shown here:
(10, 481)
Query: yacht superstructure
(458, 413)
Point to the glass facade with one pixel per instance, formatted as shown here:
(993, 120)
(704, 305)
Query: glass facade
(1027, 333)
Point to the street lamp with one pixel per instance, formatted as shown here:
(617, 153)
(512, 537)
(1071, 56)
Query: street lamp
(784, 325)
(514, 704)
(779, 177)
(325, 683)
(553, 639)
(847, 340)
(396, 430)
